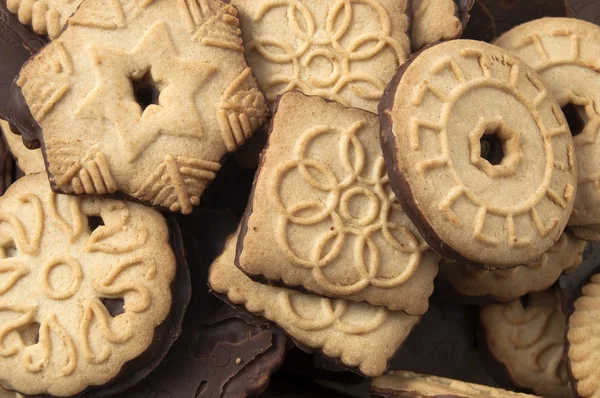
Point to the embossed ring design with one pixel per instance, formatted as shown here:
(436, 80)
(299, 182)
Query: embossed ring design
(309, 213)
(310, 47)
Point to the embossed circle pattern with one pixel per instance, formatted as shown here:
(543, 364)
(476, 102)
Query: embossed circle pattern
(55, 271)
(565, 53)
(500, 215)
(380, 221)
(332, 32)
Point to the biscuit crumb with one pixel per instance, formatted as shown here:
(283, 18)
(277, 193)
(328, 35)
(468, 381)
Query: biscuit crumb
(238, 360)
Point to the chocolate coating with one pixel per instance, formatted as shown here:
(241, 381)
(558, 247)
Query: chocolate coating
(397, 180)
(7, 167)
(231, 188)
(588, 10)
(165, 334)
(204, 361)
(443, 343)
(491, 18)
(571, 283)
(22, 121)
(17, 45)
(463, 8)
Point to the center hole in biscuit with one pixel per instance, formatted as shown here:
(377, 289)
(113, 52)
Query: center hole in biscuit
(10, 251)
(576, 118)
(30, 334)
(525, 300)
(492, 147)
(145, 91)
(94, 222)
(114, 306)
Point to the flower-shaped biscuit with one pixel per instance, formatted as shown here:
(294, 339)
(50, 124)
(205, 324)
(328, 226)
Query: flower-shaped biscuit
(84, 283)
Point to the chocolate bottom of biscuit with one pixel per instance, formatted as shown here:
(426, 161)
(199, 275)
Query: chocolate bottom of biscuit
(444, 289)
(443, 343)
(221, 352)
(491, 18)
(165, 334)
(22, 121)
(17, 45)
(7, 167)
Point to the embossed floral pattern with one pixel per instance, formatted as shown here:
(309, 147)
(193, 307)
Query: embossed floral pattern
(323, 195)
(378, 216)
(324, 35)
(58, 265)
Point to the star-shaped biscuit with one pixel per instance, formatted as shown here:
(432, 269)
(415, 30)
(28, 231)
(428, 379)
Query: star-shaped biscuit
(144, 98)
(179, 79)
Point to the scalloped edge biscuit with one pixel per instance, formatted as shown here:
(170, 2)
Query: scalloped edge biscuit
(366, 347)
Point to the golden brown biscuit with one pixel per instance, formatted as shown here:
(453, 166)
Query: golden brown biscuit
(143, 97)
(527, 340)
(433, 21)
(67, 264)
(565, 53)
(582, 339)
(413, 385)
(322, 215)
(479, 154)
(46, 17)
(510, 284)
(345, 50)
(29, 161)
(359, 335)
(589, 232)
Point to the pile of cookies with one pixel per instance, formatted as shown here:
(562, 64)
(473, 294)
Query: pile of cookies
(201, 188)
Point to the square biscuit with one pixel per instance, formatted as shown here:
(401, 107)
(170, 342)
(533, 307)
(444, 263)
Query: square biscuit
(359, 335)
(322, 216)
(346, 51)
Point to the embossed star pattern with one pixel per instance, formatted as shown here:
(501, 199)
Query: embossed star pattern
(177, 79)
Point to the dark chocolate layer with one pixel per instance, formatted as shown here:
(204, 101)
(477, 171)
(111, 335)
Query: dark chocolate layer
(17, 45)
(22, 121)
(443, 343)
(221, 351)
(464, 7)
(588, 10)
(491, 18)
(7, 167)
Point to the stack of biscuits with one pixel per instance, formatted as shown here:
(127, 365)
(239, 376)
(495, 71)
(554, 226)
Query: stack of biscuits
(212, 198)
